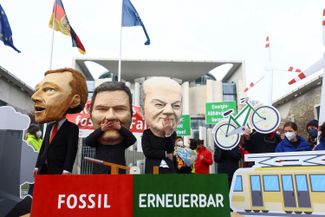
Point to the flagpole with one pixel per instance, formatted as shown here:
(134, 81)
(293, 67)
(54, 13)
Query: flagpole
(52, 38)
(120, 54)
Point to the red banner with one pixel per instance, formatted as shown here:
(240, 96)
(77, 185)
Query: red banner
(82, 119)
(83, 196)
(84, 122)
(138, 125)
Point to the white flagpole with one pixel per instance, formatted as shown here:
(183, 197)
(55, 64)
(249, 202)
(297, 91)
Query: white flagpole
(52, 39)
(120, 54)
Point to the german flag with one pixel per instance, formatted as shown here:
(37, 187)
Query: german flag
(59, 21)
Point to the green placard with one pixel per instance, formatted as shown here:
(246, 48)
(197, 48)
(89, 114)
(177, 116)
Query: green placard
(181, 195)
(184, 127)
(214, 110)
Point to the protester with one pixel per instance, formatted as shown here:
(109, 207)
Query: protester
(256, 142)
(292, 141)
(34, 137)
(321, 145)
(312, 130)
(111, 113)
(204, 159)
(185, 157)
(228, 161)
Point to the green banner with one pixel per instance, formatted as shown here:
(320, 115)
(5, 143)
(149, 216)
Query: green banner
(181, 195)
(214, 111)
(184, 127)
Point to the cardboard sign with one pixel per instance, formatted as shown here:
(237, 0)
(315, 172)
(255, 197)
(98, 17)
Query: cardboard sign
(214, 110)
(83, 195)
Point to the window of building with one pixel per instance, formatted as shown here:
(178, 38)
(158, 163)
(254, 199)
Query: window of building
(195, 124)
(229, 91)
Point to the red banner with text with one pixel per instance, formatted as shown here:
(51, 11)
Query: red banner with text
(83, 196)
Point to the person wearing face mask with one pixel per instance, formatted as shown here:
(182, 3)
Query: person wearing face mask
(292, 141)
(312, 130)
(321, 144)
(34, 137)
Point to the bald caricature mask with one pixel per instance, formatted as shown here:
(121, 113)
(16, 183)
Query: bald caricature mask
(162, 105)
(61, 91)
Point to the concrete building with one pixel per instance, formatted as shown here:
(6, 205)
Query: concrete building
(199, 86)
(302, 104)
(15, 93)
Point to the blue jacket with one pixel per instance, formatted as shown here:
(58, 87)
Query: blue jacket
(287, 146)
(321, 145)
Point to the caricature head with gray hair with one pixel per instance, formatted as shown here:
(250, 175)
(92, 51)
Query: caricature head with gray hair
(162, 104)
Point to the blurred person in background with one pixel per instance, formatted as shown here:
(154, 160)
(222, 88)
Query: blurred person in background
(321, 144)
(34, 137)
(312, 130)
(204, 158)
(292, 141)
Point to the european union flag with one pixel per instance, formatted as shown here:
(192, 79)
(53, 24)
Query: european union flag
(5, 30)
(130, 17)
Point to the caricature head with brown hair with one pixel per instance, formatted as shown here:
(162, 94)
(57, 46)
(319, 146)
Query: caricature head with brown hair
(61, 91)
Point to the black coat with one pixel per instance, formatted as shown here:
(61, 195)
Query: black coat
(155, 149)
(60, 154)
(110, 153)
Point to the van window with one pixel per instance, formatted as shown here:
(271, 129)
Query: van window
(238, 184)
(317, 183)
(271, 183)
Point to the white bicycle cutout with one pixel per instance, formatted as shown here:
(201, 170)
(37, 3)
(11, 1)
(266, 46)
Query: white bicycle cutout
(262, 118)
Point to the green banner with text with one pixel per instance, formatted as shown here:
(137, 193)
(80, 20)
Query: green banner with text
(184, 126)
(214, 111)
(181, 196)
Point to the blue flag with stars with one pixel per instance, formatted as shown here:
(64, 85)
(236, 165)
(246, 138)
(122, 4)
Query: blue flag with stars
(5, 30)
(130, 17)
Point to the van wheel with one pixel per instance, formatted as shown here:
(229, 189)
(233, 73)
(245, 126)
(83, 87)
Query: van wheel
(248, 210)
(298, 212)
(308, 213)
(288, 211)
(265, 211)
(256, 211)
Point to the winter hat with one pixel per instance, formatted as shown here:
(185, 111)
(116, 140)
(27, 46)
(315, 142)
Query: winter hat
(33, 128)
(313, 123)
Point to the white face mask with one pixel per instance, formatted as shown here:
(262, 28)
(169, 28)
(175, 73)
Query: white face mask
(180, 143)
(290, 135)
(39, 134)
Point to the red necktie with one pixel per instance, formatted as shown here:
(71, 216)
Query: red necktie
(54, 130)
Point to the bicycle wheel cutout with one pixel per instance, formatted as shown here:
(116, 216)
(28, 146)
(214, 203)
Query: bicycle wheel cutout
(265, 119)
(221, 138)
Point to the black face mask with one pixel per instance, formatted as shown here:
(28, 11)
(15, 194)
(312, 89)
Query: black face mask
(313, 133)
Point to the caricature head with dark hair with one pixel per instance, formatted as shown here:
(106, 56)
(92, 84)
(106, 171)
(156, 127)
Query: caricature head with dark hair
(111, 101)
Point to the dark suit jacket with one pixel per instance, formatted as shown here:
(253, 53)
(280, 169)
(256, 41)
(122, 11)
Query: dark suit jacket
(154, 148)
(60, 154)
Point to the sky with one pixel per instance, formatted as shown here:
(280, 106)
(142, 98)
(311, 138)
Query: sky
(218, 30)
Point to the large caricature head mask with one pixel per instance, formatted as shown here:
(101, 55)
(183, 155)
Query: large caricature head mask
(111, 101)
(162, 100)
(61, 91)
